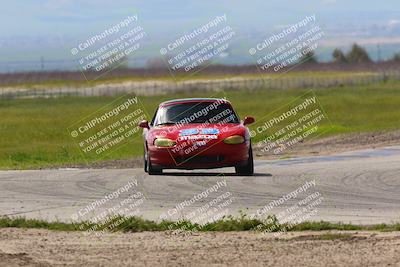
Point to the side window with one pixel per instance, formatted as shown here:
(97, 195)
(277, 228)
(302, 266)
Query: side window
(237, 118)
(154, 118)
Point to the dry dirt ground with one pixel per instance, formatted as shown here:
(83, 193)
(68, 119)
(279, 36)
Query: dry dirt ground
(32, 247)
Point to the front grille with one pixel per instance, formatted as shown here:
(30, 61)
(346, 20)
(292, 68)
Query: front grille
(199, 159)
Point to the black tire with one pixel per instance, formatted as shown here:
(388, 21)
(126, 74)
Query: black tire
(145, 161)
(248, 168)
(150, 169)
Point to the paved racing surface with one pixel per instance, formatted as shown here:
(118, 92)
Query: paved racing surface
(361, 187)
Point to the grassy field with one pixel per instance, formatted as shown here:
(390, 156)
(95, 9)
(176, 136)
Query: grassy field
(33, 132)
(337, 75)
(242, 223)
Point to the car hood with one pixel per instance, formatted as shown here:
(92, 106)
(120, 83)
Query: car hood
(175, 131)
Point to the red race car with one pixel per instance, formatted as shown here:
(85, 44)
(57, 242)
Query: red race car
(197, 133)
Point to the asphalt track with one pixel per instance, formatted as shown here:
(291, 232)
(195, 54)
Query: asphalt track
(361, 187)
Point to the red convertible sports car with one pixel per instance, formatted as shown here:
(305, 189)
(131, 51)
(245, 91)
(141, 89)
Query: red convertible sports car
(197, 133)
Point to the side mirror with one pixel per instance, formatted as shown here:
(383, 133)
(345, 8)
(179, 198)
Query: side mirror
(248, 120)
(144, 124)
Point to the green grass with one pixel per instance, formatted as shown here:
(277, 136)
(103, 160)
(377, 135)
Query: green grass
(181, 77)
(33, 132)
(242, 223)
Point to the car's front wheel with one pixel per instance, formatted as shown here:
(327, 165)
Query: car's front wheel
(145, 160)
(150, 168)
(248, 168)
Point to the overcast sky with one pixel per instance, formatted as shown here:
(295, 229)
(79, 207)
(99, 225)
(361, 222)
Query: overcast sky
(80, 17)
(35, 29)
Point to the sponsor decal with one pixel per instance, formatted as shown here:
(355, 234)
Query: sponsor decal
(186, 132)
(209, 131)
(194, 131)
(201, 143)
(198, 137)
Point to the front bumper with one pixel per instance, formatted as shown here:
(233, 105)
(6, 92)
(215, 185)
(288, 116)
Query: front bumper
(215, 154)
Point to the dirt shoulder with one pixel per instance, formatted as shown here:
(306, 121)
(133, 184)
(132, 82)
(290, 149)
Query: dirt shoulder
(336, 144)
(34, 247)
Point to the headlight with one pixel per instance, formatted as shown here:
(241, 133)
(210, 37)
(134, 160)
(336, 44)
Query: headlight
(234, 140)
(164, 142)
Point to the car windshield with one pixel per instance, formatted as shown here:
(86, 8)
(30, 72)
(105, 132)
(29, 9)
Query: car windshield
(196, 112)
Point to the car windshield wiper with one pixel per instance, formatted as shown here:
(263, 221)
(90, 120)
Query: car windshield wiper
(166, 123)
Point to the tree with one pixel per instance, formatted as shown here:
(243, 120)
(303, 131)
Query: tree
(396, 57)
(358, 54)
(308, 57)
(338, 56)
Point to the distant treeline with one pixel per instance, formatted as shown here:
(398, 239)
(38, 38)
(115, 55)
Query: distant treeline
(54, 76)
(357, 59)
(357, 54)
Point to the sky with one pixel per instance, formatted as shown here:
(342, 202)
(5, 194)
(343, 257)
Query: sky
(34, 28)
(74, 17)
